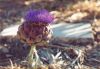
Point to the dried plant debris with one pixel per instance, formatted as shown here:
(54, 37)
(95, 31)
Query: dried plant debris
(83, 11)
(79, 12)
(96, 30)
(52, 57)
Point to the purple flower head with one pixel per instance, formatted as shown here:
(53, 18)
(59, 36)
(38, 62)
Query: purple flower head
(38, 16)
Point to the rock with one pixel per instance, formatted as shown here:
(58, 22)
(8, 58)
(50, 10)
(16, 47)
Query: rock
(4, 49)
(78, 30)
(12, 30)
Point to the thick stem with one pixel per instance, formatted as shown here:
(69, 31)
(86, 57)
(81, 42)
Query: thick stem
(32, 57)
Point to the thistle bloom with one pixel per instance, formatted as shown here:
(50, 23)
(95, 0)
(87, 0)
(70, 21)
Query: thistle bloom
(35, 30)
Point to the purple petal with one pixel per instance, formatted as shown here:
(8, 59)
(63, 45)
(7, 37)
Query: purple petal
(39, 16)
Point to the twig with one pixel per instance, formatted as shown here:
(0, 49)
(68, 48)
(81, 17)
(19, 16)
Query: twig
(93, 59)
(62, 46)
(12, 66)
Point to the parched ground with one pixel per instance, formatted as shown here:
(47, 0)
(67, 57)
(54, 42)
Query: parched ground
(13, 52)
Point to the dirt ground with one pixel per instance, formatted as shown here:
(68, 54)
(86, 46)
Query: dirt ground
(11, 12)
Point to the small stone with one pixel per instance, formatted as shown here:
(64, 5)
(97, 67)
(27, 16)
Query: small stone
(4, 50)
(8, 55)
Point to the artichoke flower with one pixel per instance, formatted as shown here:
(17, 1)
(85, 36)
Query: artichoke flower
(35, 31)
